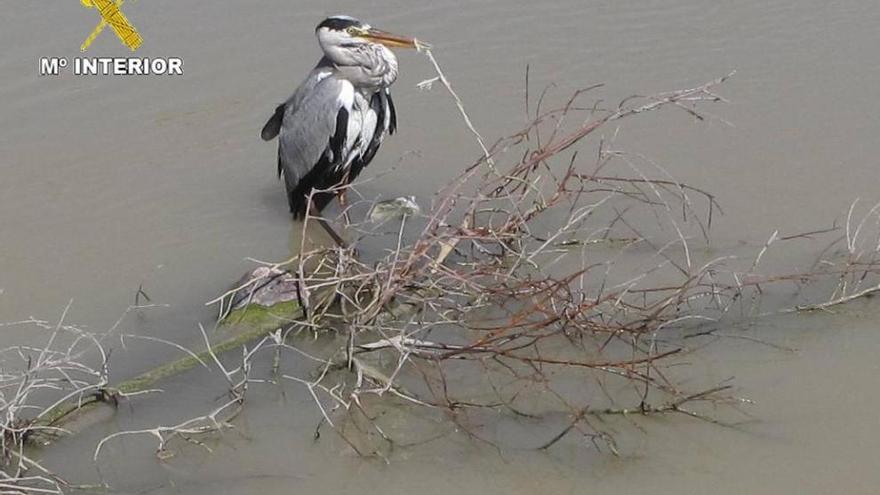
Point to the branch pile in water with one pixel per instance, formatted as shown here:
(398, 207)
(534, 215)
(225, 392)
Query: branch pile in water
(554, 274)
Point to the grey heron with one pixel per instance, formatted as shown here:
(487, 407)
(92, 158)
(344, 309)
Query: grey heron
(335, 121)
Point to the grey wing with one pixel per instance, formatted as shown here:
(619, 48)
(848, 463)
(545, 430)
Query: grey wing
(273, 125)
(314, 132)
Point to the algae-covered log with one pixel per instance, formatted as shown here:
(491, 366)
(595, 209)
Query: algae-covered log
(270, 305)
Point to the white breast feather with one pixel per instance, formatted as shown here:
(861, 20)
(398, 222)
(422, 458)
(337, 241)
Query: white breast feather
(322, 75)
(346, 95)
(370, 124)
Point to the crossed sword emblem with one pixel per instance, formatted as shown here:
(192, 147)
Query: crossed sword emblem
(112, 15)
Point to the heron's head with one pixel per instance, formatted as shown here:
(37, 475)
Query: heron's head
(340, 35)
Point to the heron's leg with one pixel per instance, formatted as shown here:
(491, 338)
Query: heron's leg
(341, 194)
(343, 203)
(332, 233)
(327, 228)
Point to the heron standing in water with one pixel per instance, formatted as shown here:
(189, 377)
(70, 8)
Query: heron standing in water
(333, 124)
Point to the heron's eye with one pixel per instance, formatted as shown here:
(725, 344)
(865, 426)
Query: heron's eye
(353, 31)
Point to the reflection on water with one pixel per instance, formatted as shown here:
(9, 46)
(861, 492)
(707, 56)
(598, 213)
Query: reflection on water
(177, 191)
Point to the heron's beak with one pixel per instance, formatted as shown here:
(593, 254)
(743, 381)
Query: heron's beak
(393, 40)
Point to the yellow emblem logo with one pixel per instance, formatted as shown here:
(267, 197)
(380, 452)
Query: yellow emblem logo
(112, 15)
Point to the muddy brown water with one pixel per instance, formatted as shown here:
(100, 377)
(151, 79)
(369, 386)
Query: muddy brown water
(111, 183)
